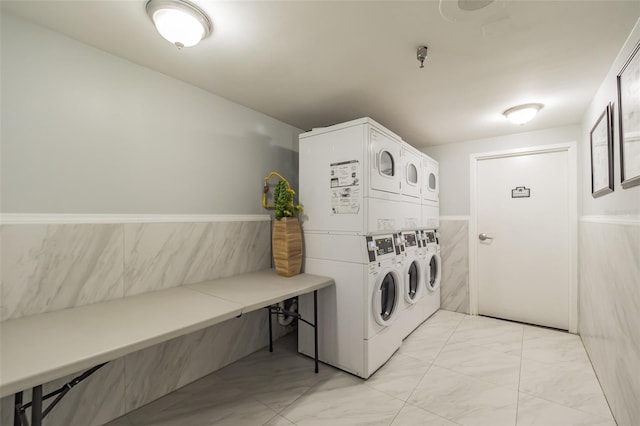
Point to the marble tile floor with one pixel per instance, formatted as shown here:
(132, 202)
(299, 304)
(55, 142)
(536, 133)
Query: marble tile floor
(454, 369)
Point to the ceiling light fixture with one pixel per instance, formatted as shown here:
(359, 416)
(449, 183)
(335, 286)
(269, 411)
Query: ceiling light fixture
(522, 114)
(180, 22)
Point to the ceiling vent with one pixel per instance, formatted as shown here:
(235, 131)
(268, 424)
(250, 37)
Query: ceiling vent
(480, 11)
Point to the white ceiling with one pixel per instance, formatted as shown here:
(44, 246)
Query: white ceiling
(317, 63)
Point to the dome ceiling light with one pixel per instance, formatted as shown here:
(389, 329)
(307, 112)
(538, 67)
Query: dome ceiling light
(180, 22)
(522, 114)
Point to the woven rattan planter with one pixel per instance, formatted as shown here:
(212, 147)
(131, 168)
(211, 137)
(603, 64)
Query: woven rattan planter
(287, 246)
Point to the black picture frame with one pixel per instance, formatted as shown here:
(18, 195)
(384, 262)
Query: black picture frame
(629, 120)
(602, 154)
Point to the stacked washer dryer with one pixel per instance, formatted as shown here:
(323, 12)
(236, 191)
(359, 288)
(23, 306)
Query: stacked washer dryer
(361, 189)
(415, 274)
(430, 237)
(430, 193)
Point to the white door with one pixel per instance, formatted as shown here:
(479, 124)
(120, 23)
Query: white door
(523, 242)
(385, 152)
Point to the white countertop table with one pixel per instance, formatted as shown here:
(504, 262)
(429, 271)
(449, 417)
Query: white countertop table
(40, 348)
(256, 290)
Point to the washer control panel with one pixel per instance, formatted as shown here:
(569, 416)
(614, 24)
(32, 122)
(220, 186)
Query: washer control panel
(410, 239)
(382, 246)
(430, 236)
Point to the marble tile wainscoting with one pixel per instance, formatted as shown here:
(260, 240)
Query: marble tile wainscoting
(609, 281)
(454, 246)
(62, 263)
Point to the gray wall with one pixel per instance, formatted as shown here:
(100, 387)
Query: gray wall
(47, 267)
(621, 201)
(84, 131)
(609, 270)
(454, 161)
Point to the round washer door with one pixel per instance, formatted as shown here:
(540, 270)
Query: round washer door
(413, 279)
(435, 264)
(386, 295)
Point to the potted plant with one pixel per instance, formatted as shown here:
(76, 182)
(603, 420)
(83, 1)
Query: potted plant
(287, 237)
(283, 201)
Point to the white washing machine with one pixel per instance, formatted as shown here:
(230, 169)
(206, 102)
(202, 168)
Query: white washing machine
(430, 193)
(357, 318)
(351, 178)
(433, 265)
(415, 279)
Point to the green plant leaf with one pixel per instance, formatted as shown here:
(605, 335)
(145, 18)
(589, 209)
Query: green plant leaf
(282, 201)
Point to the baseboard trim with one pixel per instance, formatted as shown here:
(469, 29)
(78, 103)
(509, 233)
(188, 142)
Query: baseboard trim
(612, 220)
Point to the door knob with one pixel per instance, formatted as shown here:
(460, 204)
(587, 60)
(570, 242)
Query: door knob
(484, 237)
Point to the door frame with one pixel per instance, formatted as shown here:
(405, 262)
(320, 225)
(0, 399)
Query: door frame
(572, 206)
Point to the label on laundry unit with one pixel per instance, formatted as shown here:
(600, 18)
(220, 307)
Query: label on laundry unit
(411, 222)
(345, 187)
(386, 224)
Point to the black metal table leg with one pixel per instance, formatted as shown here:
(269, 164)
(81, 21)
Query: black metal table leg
(37, 400)
(36, 407)
(16, 412)
(315, 324)
(270, 331)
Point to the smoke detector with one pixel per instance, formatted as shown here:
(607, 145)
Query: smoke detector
(473, 5)
(472, 10)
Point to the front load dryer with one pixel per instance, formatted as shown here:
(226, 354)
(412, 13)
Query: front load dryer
(351, 177)
(433, 265)
(430, 193)
(411, 187)
(357, 318)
